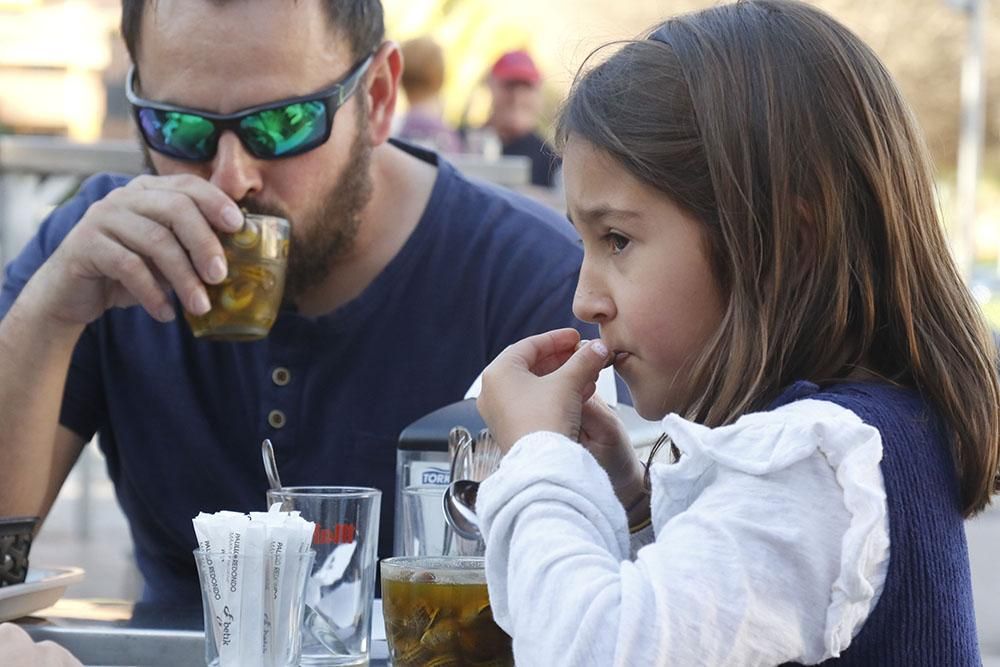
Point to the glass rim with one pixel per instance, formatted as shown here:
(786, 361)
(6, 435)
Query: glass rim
(267, 216)
(439, 488)
(454, 563)
(299, 492)
(227, 553)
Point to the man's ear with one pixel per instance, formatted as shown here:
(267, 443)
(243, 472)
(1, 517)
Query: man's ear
(383, 89)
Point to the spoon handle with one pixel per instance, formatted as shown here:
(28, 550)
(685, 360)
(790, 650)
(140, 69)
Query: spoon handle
(270, 465)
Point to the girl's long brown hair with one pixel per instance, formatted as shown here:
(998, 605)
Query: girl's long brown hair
(784, 133)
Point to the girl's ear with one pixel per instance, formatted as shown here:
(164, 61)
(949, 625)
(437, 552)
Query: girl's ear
(383, 91)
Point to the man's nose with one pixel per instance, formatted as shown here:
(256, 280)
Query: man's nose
(234, 170)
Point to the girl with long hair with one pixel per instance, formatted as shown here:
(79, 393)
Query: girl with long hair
(765, 259)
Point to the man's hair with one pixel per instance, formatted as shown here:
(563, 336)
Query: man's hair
(361, 21)
(784, 134)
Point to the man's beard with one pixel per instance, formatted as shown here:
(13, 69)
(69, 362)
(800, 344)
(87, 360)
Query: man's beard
(327, 231)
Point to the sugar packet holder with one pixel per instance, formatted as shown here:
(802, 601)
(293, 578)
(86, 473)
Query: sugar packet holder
(252, 580)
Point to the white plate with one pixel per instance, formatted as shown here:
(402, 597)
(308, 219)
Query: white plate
(42, 588)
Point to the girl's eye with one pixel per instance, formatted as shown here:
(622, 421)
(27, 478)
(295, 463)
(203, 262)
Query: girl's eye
(616, 242)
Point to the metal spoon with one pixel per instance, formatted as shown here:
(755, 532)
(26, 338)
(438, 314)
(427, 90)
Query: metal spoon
(457, 437)
(457, 508)
(460, 508)
(315, 621)
(270, 465)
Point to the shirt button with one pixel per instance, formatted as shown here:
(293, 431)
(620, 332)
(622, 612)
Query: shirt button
(281, 376)
(276, 418)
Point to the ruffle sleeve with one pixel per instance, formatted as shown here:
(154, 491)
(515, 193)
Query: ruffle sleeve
(771, 545)
(764, 443)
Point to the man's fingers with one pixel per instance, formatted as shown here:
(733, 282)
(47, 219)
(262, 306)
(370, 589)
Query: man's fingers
(220, 211)
(130, 270)
(179, 216)
(166, 255)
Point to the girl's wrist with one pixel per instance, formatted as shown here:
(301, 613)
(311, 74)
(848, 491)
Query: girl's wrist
(638, 527)
(637, 510)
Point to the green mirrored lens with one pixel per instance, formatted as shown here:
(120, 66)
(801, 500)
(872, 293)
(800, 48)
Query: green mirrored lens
(277, 132)
(180, 134)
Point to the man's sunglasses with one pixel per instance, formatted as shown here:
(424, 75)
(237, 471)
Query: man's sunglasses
(268, 131)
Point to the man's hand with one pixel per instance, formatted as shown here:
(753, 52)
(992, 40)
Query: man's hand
(151, 236)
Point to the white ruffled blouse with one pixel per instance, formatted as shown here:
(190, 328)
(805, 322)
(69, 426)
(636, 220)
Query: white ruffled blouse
(771, 545)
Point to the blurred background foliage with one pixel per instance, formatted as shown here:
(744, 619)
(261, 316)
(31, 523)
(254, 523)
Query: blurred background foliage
(922, 43)
(62, 67)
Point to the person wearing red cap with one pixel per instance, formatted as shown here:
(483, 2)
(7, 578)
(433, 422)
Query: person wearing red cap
(515, 84)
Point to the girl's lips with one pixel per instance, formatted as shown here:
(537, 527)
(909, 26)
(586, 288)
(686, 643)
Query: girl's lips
(615, 357)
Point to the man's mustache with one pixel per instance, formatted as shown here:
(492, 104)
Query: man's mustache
(251, 205)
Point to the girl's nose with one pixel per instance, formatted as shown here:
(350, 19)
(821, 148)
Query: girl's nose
(592, 303)
(234, 170)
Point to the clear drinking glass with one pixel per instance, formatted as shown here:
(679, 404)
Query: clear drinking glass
(437, 612)
(336, 628)
(425, 531)
(246, 303)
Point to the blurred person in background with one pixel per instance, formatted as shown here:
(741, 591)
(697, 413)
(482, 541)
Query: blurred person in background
(404, 280)
(515, 87)
(423, 77)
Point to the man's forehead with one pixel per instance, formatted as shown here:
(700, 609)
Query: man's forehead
(253, 24)
(284, 48)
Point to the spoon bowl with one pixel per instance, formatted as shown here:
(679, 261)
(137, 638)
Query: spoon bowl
(459, 501)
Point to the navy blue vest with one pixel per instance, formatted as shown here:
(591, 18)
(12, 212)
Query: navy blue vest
(925, 614)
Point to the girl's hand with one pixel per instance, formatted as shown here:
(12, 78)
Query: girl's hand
(604, 435)
(541, 384)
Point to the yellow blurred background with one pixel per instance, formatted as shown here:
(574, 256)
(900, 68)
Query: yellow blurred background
(62, 67)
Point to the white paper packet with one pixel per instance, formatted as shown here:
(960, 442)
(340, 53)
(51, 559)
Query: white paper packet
(223, 532)
(286, 534)
(250, 597)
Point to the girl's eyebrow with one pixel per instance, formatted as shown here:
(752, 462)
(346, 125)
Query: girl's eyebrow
(599, 213)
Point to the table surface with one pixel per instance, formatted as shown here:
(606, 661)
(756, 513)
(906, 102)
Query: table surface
(114, 632)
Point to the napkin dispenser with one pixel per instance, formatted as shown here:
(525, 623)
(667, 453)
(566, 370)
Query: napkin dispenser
(422, 454)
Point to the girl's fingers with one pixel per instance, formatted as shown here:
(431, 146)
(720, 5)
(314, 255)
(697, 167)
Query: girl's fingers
(527, 353)
(600, 421)
(582, 368)
(553, 362)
